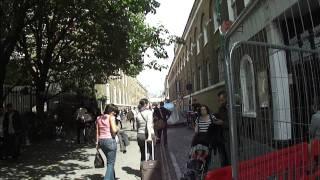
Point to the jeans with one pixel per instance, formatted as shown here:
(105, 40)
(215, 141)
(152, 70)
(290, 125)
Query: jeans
(164, 131)
(80, 131)
(109, 148)
(141, 138)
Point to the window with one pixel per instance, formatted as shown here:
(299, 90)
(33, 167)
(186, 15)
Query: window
(200, 85)
(231, 10)
(247, 87)
(204, 29)
(178, 86)
(236, 6)
(213, 15)
(194, 80)
(215, 21)
(196, 39)
(246, 2)
(198, 45)
(209, 73)
(221, 66)
(193, 49)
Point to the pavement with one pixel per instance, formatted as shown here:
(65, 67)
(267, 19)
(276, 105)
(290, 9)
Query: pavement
(67, 160)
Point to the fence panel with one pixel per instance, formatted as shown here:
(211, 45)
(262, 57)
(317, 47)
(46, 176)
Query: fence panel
(275, 93)
(21, 97)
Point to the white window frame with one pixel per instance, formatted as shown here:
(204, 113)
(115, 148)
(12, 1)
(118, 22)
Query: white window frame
(246, 3)
(209, 74)
(192, 48)
(231, 10)
(215, 21)
(205, 33)
(194, 81)
(200, 77)
(198, 45)
(221, 66)
(246, 97)
(188, 54)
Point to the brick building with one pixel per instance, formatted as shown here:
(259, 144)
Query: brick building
(198, 62)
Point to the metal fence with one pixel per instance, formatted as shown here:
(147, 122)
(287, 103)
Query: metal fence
(274, 91)
(21, 97)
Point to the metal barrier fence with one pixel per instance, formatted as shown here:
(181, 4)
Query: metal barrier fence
(274, 94)
(22, 98)
(273, 80)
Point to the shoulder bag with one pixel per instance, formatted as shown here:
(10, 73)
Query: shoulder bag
(159, 123)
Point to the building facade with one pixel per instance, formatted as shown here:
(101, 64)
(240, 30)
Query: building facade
(281, 82)
(123, 91)
(197, 74)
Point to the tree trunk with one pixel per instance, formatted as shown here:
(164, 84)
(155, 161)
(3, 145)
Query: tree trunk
(3, 70)
(40, 98)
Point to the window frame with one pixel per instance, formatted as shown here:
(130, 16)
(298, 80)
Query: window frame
(246, 111)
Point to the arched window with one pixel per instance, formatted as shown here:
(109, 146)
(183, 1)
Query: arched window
(247, 87)
(221, 65)
(204, 29)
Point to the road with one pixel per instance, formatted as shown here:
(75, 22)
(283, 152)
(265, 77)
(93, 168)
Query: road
(179, 141)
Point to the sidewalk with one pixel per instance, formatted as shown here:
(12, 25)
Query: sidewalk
(58, 160)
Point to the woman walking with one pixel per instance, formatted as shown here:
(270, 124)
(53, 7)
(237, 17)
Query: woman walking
(106, 131)
(144, 127)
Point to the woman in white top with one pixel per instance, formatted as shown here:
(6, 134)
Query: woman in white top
(144, 126)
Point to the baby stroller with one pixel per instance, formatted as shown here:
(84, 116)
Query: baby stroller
(198, 163)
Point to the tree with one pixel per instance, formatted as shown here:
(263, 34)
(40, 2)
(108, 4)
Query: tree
(13, 15)
(78, 43)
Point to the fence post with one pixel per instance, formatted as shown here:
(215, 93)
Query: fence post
(232, 121)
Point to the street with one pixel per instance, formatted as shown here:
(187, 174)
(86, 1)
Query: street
(179, 141)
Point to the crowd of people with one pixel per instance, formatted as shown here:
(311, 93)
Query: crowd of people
(142, 120)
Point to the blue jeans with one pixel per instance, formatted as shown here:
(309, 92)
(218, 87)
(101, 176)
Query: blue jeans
(109, 148)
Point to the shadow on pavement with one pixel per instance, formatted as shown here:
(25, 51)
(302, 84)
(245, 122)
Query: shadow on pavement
(46, 159)
(129, 170)
(92, 176)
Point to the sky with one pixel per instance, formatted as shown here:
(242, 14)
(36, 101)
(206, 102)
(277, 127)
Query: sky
(173, 14)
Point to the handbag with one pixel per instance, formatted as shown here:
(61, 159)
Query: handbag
(159, 122)
(98, 160)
